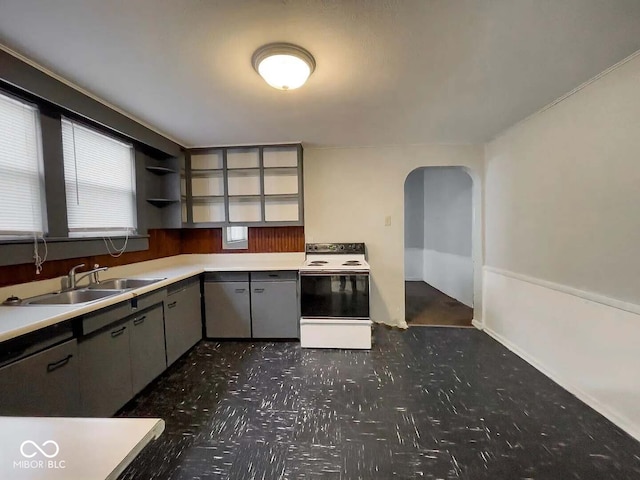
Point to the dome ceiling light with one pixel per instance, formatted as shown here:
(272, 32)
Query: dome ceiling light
(283, 65)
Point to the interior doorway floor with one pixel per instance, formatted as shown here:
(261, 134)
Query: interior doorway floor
(426, 305)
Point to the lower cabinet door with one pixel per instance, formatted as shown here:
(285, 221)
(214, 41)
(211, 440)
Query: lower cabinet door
(146, 341)
(105, 371)
(274, 309)
(182, 321)
(227, 309)
(44, 384)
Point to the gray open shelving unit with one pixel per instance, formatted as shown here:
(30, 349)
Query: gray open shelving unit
(253, 186)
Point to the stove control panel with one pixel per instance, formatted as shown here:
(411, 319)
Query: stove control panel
(344, 248)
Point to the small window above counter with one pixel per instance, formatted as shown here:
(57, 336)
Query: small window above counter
(249, 186)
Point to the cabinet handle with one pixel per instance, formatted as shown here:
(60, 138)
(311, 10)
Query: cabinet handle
(172, 304)
(138, 321)
(117, 333)
(60, 363)
(274, 275)
(258, 290)
(240, 290)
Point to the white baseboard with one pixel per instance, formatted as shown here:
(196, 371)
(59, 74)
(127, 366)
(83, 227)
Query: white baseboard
(587, 347)
(477, 324)
(603, 410)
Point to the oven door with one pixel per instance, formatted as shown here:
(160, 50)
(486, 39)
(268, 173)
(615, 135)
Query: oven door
(334, 295)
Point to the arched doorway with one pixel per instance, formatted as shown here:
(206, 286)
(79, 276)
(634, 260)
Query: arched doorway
(439, 273)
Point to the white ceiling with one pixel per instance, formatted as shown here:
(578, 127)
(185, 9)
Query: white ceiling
(388, 71)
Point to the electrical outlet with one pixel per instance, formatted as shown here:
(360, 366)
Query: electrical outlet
(387, 221)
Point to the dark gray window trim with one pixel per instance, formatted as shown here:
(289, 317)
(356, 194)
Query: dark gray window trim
(27, 78)
(16, 252)
(60, 246)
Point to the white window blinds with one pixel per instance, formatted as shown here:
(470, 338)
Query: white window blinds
(21, 172)
(235, 238)
(236, 234)
(99, 174)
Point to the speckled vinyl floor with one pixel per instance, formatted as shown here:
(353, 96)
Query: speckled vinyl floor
(433, 403)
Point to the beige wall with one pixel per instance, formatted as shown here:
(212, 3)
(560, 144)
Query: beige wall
(562, 233)
(350, 191)
(563, 190)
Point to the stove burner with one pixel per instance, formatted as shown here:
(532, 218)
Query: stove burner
(318, 262)
(351, 263)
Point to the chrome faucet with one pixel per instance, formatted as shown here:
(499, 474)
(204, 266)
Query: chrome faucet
(71, 280)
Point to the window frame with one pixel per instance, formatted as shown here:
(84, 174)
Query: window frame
(230, 244)
(16, 236)
(19, 250)
(89, 233)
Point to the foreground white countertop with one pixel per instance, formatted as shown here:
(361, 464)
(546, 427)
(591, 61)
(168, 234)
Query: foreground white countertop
(20, 320)
(72, 448)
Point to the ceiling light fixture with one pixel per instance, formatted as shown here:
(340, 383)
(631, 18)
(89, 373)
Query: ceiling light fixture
(283, 65)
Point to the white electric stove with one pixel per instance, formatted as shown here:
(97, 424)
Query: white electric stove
(334, 297)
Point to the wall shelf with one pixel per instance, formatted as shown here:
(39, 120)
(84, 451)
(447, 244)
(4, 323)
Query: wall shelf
(161, 202)
(160, 170)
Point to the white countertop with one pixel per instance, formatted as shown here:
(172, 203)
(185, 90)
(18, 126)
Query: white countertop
(72, 448)
(19, 320)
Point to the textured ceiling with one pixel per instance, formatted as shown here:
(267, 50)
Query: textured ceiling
(388, 71)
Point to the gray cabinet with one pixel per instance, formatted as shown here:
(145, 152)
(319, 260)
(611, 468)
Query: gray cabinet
(183, 318)
(122, 349)
(265, 306)
(43, 384)
(146, 347)
(274, 305)
(227, 305)
(105, 371)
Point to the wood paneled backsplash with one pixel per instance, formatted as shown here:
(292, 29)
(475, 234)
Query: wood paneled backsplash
(165, 243)
(261, 240)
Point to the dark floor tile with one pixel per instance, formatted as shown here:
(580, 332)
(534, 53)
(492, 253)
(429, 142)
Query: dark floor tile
(423, 403)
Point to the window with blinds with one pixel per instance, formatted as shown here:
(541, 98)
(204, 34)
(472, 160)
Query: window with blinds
(22, 210)
(99, 173)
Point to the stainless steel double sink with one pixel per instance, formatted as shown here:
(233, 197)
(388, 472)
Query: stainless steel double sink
(92, 293)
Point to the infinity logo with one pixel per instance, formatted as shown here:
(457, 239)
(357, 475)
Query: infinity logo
(35, 445)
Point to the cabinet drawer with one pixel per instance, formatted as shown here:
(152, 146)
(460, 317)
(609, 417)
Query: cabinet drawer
(226, 276)
(104, 317)
(148, 300)
(274, 275)
(34, 342)
(43, 384)
(183, 285)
